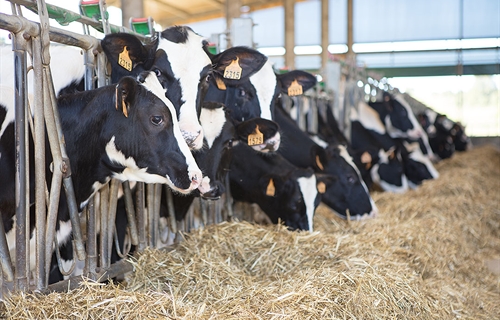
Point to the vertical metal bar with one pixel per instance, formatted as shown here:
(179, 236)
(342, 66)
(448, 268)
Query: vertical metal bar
(103, 235)
(150, 214)
(101, 70)
(228, 197)
(171, 209)
(113, 199)
(19, 48)
(5, 256)
(129, 207)
(156, 213)
(91, 261)
(141, 217)
(39, 139)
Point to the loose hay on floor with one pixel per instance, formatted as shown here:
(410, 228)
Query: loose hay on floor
(424, 257)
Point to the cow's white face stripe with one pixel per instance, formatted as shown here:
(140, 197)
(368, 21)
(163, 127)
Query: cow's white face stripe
(368, 117)
(212, 122)
(153, 85)
(131, 172)
(309, 193)
(187, 60)
(264, 82)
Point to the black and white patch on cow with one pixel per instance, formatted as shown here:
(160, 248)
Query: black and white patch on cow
(128, 131)
(388, 172)
(417, 166)
(177, 55)
(308, 188)
(131, 171)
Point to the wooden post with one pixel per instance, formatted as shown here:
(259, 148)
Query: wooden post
(289, 33)
(350, 36)
(131, 9)
(233, 10)
(324, 36)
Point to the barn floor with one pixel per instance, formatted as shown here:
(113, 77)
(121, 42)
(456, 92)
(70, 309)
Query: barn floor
(432, 253)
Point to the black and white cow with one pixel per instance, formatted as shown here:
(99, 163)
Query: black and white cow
(283, 191)
(127, 131)
(368, 134)
(179, 57)
(345, 190)
(256, 91)
(445, 135)
(401, 122)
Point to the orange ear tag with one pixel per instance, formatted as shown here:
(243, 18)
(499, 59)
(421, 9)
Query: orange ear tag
(124, 109)
(319, 164)
(124, 59)
(295, 89)
(321, 187)
(220, 84)
(366, 158)
(256, 138)
(233, 71)
(271, 190)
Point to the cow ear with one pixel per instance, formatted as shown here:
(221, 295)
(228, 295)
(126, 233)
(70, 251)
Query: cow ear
(319, 158)
(125, 92)
(249, 130)
(227, 63)
(291, 81)
(124, 51)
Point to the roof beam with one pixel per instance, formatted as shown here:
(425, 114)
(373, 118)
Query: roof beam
(174, 10)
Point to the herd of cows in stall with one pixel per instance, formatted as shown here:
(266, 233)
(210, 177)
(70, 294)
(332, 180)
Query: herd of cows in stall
(178, 115)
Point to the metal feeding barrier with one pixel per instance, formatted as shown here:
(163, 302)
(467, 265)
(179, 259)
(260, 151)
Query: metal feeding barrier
(94, 229)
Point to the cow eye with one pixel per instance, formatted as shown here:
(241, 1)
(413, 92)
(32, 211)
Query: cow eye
(207, 79)
(242, 92)
(157, 72)
(156, 120)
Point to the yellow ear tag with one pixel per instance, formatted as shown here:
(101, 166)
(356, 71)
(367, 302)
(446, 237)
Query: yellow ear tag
(256, 138)
(319, 164)
(321, 187)
(271, 190)
(233, 71)
(220, 84)
(366, 158)
(124, 109)
(124, 59)
(294, 89)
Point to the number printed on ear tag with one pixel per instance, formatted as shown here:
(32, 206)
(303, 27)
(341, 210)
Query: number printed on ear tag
(256, 138)
(295, 89)
(124, 59)
(233, 71)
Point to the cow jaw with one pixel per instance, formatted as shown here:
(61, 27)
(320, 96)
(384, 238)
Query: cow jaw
(132, 172)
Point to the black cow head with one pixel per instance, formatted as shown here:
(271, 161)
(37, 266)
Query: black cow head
(221, 133)
(345, 191)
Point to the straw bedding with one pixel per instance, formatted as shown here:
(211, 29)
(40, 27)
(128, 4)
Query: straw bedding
(425, 256)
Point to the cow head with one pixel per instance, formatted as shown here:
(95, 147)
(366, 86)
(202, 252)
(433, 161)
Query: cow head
(221, 134)
(417, 167)
(145, 142)
(388, 172)
(178, 57)
(291, 198)
(345, 191)
(282, 190)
